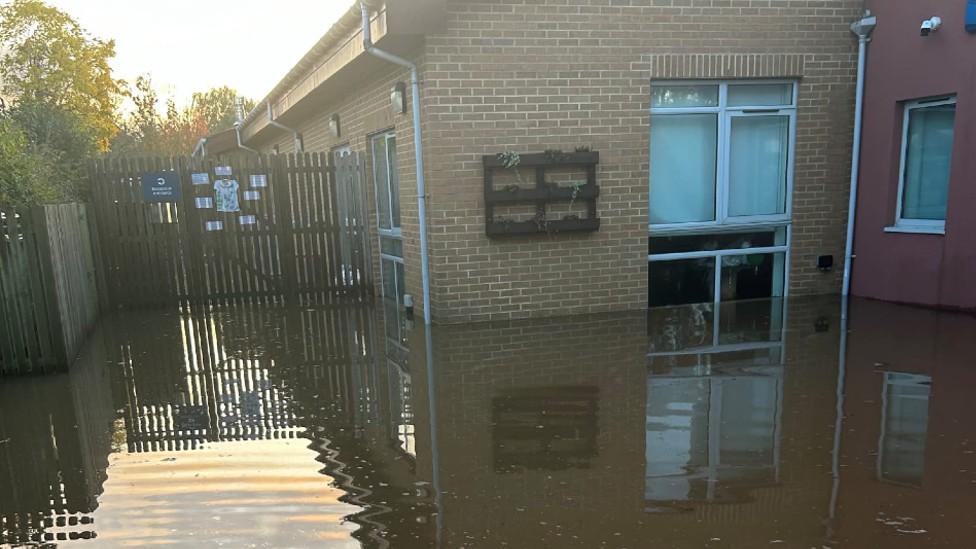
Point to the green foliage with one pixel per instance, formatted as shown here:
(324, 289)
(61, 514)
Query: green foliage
(49, 59)
(218, 107)
(175, 131)
(25, 175)
(64, 142)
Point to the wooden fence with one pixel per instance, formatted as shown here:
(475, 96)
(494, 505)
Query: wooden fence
(287, 243)
(48, 293)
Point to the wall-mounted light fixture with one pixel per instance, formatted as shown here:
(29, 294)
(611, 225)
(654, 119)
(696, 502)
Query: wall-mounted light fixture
(398, 98)
(334, 126)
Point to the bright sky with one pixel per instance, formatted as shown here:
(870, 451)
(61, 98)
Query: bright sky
(194, 45)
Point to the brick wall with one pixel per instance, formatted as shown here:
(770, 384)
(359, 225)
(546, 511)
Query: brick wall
(532, 75)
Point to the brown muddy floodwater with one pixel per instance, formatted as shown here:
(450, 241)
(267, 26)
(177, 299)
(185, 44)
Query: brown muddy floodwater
(762, 424)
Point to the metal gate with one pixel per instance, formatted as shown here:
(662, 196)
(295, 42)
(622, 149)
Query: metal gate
(282, 241)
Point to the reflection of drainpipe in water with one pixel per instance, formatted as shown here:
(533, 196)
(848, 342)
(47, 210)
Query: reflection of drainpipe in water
(418, 151)
(299, 141)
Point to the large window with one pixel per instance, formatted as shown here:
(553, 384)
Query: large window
(720, 153)
(925, 165)
(387, 182)
(720, 182)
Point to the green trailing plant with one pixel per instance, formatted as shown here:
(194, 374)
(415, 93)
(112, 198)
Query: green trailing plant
(576, 187)
(583, 149)
(511, 160)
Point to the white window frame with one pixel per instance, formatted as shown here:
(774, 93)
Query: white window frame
(907, 225)
(717, 255)
(725, 114)
(891, 379)
(394, 233)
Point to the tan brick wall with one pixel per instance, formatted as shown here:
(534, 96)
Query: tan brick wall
(531, 75)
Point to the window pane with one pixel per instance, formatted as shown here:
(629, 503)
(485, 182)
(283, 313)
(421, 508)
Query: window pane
(389, 280)
(401, 282)
(929, 154)
(673, 244)
(391, 246)
(682, 282)
(758, 156)
(753, 276)
(683, 157)
(751, 321)
(394, 183)
(760, 95)
(381, 180)
(684, 96)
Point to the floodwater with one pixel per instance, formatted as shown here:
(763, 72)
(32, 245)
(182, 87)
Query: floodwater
(760, 424)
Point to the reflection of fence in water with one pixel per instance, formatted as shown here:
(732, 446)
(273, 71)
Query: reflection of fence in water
(55, 437)
(235, 372)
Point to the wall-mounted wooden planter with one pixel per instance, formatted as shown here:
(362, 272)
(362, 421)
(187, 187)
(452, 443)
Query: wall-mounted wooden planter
(542, 194)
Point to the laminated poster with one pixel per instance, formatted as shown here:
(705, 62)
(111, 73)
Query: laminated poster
(259, 181)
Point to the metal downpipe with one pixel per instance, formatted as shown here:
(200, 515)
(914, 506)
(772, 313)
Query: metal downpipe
(418, 152)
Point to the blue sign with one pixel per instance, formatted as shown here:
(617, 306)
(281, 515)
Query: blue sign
(161, 186)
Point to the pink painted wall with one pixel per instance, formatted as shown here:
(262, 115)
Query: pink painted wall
(903, 66)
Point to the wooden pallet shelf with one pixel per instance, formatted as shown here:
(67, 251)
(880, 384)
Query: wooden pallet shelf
(543, 194)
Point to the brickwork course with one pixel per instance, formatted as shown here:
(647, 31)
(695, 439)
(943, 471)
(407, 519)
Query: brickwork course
(535, 75)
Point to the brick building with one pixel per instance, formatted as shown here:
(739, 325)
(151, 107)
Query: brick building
(722, 127)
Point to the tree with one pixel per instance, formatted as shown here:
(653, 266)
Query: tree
(24, 171)
(62, 139)
(218, 106)
(175, 131)
(49, 59)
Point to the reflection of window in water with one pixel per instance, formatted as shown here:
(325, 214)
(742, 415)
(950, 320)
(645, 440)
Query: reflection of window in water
(691, 340)
(401, 407)
(904, 426)
(708, 436)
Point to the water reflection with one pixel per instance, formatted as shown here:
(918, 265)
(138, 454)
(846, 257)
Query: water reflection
(349, 426)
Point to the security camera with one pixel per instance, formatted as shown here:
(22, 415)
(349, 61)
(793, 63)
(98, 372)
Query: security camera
(931, 25)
